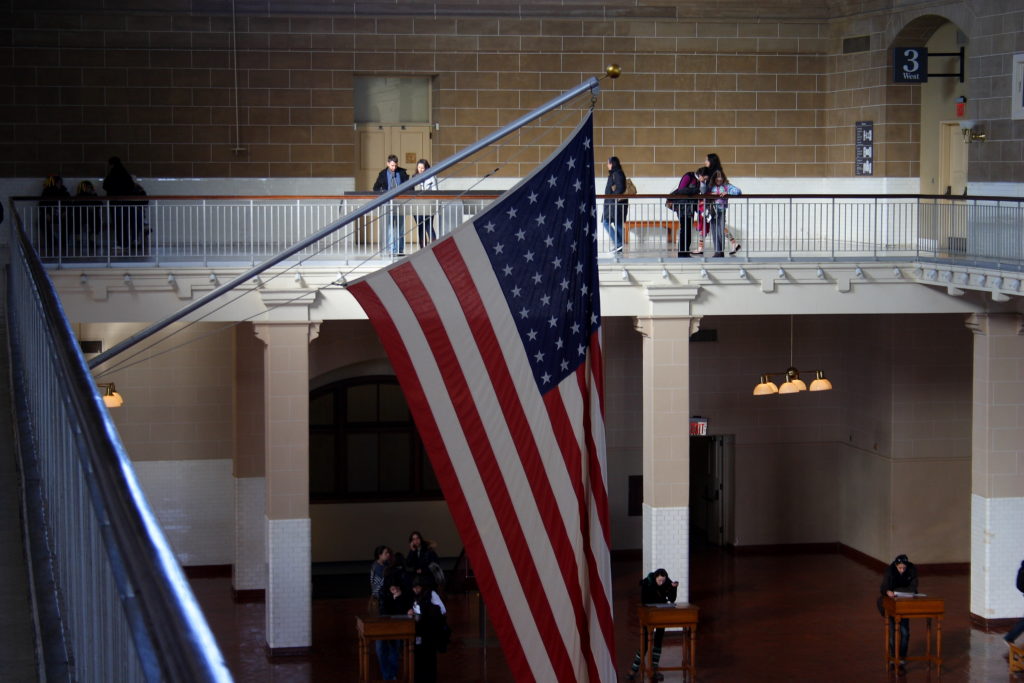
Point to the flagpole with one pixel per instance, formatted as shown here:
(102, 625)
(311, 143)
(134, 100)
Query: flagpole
(590, 84)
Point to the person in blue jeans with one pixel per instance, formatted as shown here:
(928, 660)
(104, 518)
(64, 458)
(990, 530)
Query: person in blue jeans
(615, 208)
(392, 176)
(900, 575)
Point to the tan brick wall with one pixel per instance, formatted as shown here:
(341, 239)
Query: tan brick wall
(770, 93)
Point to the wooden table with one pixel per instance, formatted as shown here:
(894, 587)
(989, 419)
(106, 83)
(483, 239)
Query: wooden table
(682, 616)
(399, 627)
(927, 608)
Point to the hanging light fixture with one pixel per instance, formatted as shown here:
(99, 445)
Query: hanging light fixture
(792, 384)
(111, 398)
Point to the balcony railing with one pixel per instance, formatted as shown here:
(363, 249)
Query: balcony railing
(202, 231)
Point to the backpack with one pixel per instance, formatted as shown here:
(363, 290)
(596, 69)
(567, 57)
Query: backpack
(1020, 578)
(630, 187)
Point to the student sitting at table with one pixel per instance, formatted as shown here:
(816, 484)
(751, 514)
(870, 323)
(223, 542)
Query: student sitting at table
(655, 589)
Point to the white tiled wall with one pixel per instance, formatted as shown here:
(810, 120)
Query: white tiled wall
(289, 584)
(667, 544)
(250, 570)
(997, 548)
(190, 499)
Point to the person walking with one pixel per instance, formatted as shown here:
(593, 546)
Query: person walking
(615, 208)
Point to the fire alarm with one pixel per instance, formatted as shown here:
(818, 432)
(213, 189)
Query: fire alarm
(960, 102)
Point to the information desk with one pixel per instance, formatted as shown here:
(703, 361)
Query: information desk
(925, 607)
(385, 628)
(682, 616)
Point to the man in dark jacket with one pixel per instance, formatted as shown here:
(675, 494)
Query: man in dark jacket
(689, 187)
(392, 176)
(899, 576)
(655, 589)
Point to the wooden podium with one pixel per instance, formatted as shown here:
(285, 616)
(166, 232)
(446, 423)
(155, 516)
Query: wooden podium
(925, 607)
(371, 629)
(682, 616)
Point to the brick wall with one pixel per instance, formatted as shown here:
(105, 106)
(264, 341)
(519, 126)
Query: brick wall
(768, 89)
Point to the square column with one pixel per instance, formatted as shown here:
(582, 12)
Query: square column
(666, 445)
(286, 434)
(249, 568)
(997, 464)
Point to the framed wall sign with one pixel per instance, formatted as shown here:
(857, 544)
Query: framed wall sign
(910, 64)
(864, 142)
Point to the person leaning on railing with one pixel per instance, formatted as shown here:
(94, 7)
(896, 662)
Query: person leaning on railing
(689, 187)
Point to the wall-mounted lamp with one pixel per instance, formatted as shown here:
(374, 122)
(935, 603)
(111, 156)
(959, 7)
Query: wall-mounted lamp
(967, 128)
(111, 398)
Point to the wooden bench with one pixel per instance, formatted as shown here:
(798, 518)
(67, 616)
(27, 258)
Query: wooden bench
(670, 226)
(1016, 658)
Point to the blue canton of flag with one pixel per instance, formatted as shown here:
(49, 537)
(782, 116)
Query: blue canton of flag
(542, 242)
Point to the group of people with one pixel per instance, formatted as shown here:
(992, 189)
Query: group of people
(75, 227)
(391, 176)
(410, 585)
(701, 198)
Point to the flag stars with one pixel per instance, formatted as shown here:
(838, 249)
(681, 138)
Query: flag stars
(532, 334)
(564, 284)
(539, 356)
(521, 235)
(559, 343)
(570, 162)
(556, 262)
(545, 300)
(529, 257)
(539, 220)
(489, 227)
(577, 185)
(516, 292)
(546, 378)
(549, 241)
(511, 213)
(553, 321)
(560, 203)
(507, 270)
(532, 197)
(537, 277)
(499, 248)
(552, 181)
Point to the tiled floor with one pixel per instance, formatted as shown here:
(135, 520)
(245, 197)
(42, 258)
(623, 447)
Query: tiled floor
(764, 618)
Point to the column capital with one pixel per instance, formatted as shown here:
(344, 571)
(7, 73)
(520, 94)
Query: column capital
(670, 300)
(262, 329)
(288, 305)
(985, 324)
(644, 324)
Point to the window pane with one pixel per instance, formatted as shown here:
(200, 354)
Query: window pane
(396, 462)
(321, 409)
(392, 404)
(323, 463)
(362, 403)
(392, 100)
(362, 463)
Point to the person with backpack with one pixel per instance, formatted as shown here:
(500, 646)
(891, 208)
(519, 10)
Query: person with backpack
(683, 200)
(1018, 628)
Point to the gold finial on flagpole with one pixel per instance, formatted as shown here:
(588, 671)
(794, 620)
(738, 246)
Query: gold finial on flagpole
(613, 71)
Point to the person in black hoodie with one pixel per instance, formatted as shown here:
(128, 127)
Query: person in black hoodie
(689, 187)
(900, 576)
(655, 589)
(615, 209)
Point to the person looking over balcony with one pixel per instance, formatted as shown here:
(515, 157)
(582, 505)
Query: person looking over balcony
(391, 176)
(425, 223)
(685, 207)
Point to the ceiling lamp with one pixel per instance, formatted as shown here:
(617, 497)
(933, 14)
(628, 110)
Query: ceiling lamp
(792, 384)
(111, 398)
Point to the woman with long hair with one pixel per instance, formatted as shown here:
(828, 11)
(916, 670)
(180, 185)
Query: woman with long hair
(615, 208)
(425, 222)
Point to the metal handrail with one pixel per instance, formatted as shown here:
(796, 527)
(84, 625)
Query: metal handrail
(171, 639)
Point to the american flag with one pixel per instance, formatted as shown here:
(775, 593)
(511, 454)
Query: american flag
(494, 333)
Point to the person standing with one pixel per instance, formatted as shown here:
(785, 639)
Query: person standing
(126, 219)
(390, 177)
(684, 202)
(615, 208)
(421, 556)
(655, 589)
(387, 656)
(900, 575)
(425, 222)
(52, 216)
(1018, 628)
(712, 165)
(720, 187)
(431, 625)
